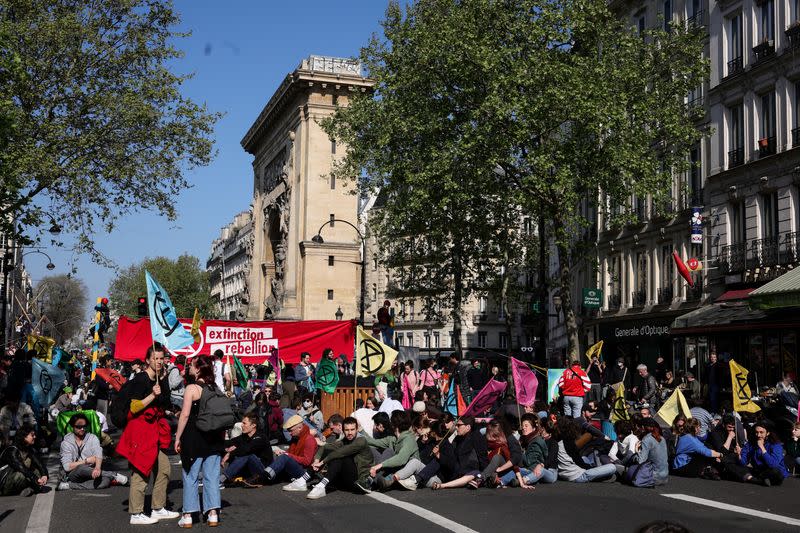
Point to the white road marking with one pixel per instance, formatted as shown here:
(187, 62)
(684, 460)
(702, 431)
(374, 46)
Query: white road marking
(430, 516)
(735, 509)
(39, 521)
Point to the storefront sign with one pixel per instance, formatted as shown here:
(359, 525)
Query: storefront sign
(697, 226)
(642, 331)
(592, 298)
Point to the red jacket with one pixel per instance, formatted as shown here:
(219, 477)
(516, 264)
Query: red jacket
(303, 449)
(574, 381)
(145, 434)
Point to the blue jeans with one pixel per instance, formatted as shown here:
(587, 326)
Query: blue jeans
(248, 463)
(598, 472)
(209, 468)
(547, 476)
(290, 466)
(573, 406)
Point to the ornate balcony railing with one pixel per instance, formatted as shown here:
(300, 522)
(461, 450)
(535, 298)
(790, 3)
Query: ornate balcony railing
(795, 137)
(764, 50)
(766, 146)
(638, 298)
(698, 20)
(763, 252)
(760, 253)
(732, 258)
(735, 157)
(793, 35)
(735, 66)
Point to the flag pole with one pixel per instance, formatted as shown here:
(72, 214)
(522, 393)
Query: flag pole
(355, 371)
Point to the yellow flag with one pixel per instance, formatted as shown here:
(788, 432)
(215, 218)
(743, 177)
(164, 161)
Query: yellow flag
(675, 405)
(741, 389)
(620, 409)
(43, 347)
(372, 356)
(594, 349)
(196, 323)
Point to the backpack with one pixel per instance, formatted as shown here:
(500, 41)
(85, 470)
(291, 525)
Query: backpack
(214, 410)
(640, 475)
(121, 406)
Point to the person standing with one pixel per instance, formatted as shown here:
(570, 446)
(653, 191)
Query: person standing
(574, 384)
(409, 384)
(595, 373)
(476, 379)
(385, 323)
(146, 434)
(201, 451)
(304, 372)
(714, 375)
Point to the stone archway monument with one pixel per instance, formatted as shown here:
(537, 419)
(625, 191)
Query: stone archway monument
(293, 278)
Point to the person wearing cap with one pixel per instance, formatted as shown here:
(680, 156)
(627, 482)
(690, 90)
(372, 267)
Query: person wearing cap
(82, 459)
(63, 402)
(294, 461)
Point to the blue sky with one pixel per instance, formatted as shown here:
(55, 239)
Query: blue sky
(239, 51)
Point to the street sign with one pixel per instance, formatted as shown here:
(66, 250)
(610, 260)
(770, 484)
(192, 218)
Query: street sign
(592, 298)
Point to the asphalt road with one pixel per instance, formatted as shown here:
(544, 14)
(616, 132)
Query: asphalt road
(560, 507)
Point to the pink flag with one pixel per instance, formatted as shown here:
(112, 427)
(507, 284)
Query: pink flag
(485, 398)
(525, 382)
(275, 361)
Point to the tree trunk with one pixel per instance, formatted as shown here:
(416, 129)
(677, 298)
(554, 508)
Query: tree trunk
(457, 303)
(567, 307)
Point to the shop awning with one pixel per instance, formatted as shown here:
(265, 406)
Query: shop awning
(783, 291)
(738, 294)
(716, 317)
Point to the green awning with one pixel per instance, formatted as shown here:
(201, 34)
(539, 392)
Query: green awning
(783, 291)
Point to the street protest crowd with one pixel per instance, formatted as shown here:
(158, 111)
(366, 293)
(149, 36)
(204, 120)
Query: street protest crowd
(459, 426)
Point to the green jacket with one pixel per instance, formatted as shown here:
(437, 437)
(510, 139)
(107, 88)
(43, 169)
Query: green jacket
(357, 448)
(404, 447)
(535, 453)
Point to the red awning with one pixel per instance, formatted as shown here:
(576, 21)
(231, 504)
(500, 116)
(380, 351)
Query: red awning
(739, 294)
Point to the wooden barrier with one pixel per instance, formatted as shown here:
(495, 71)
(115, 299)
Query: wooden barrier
(342, 401)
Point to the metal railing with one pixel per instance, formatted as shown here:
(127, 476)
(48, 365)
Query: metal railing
(735, 66)
(732, 258)
(763, 252)
(760, 253)
(795, 137)
(638, 298)
(766, 146)
(698, 20)
(793, 35)
(614, 301)
(764, 50)
(665, 295)
(735, 157)
(694, 198)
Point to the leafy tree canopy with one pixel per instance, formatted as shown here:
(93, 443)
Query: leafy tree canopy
(64, 303)
(183, 278)
(102, 129)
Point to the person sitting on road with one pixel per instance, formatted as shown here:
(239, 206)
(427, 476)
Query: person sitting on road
(692, 458)
(427, 437)
(505, 455)
(294, 461)
(311, 413)
(348, 462)
(534, 456)
(21, 472)
(82, 459)
(248, 454)
(625, 447)
(14, 415)
(402, 445)
(653, 448)
(571, 466)
(764, 454)
(333, 429)
(465, 459)
(793, 449)
(62, 403)
(705, 418)
(723, 440)
(381, 426)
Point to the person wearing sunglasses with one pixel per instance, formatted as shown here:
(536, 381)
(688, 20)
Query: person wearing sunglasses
(82, 459)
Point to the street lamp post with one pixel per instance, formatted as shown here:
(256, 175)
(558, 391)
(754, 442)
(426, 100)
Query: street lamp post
(8, 267)
(319, 240)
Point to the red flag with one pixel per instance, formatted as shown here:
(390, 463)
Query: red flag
(461, 405)
(112, 377)
(682, 268)
(485, 398)
(525, 382)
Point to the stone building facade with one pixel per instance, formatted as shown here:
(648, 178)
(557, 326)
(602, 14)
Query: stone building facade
(229, 267)
(292, 277)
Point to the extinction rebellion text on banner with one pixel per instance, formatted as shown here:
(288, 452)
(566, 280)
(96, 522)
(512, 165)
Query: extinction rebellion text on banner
(643, 331)
(240, 341)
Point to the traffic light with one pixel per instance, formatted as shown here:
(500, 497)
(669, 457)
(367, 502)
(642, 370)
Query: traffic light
(142, 306)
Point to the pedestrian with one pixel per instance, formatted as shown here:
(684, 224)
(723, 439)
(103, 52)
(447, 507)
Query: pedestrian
(200, 451)
(409, 384)
(574, 384)
(146, 435)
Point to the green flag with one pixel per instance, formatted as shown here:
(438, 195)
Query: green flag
(241, 373)
(63, 427)
(327, 375)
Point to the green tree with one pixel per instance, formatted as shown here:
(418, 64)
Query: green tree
(183, 278)
(577, 110)
(102, 129)
(64, 306)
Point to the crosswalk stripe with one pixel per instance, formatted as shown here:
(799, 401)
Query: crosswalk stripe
(735, 509)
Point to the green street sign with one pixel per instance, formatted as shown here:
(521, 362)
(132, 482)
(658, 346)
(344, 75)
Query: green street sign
(592, 298)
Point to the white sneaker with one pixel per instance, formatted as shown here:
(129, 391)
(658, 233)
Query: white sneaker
(63, 485)
(317, 492)
(142, 519)
(163, 514)
(408, 483)
(298, 485)
(120, 479)
(185, 522)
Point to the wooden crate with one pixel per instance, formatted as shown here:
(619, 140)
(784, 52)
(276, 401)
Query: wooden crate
(342, 401)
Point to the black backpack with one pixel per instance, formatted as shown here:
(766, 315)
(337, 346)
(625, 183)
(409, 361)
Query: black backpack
(214, 410)
(121, 405)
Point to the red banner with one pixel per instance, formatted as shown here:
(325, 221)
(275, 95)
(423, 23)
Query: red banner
(249, 341)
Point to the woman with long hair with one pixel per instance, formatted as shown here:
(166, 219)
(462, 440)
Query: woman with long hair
(499, 454)
(409, 384)
(653, 448)
(764, 455)
(571, 466)
(535, 454)
(692, 458)
(200, 451)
